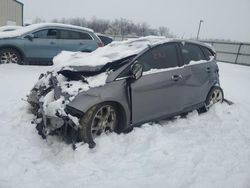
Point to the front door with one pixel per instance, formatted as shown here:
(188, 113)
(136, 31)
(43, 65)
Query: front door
(160, 90)
(44, 45)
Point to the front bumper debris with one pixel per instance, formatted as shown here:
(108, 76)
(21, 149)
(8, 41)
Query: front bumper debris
(55, 123)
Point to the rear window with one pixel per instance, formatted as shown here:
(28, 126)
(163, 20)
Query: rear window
(74, 35)
(191, 52)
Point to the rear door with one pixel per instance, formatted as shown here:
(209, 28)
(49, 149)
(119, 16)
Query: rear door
(71, 40)
(200, 66)
(44, 45)
(160, 90)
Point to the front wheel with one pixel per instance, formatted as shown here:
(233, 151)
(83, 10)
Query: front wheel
(215, 95)
(101, 118)
(9, 55)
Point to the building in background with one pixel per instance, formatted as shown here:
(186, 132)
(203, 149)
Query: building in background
(11, 12)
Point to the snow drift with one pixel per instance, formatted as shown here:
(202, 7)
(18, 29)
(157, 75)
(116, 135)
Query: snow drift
(208, 150)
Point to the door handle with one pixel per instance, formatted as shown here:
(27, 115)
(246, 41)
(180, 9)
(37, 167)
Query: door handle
(208, 69)
(176, 77)
(52, 43)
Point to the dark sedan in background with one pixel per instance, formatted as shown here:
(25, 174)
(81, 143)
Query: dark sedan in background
(105, 39)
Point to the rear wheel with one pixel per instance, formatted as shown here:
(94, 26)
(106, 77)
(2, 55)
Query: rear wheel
(9, 55)
(101, 118)
(215, 95)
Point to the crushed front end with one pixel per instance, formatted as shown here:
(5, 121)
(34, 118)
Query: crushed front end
(49, 99)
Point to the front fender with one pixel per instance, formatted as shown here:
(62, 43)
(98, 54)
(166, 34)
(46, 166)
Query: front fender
(84, 101)
(111, 92)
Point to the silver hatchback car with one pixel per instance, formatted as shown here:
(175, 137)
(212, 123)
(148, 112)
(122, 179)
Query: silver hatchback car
(156, 82)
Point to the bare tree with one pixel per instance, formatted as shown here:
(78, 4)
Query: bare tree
(120, 26)
(38, 20)
(164, 31)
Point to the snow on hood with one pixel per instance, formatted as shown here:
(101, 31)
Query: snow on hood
(33, 27)
(112, 52)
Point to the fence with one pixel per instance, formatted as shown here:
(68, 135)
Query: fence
(229, 52)
(232, 52)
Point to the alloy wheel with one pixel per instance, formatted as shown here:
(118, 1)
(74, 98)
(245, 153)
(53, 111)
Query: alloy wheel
(9, 57)
(104, 120)
(216, 96)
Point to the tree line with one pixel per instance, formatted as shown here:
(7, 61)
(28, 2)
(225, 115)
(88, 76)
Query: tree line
(121, 27)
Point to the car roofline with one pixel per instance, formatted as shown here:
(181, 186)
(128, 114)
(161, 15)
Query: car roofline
(34, 27)
(63, 25)
(185, 41)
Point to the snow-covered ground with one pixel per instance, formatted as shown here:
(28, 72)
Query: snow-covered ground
(208, 150)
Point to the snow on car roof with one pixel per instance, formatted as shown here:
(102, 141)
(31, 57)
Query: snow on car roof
(33, 27)
(112, 52)
(9, 27)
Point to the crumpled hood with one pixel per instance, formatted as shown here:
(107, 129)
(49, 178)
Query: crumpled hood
(109, 53)
(76, 72)
(83, 70)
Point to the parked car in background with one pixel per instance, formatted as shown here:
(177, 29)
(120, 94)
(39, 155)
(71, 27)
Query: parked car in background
(123, 85)
(9, 28)
(39, 43)
(105, 39)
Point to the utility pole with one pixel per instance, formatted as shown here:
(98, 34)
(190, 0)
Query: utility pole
(197, 38)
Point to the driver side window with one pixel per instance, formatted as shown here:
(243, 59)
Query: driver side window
(46, 34)
(160, 57)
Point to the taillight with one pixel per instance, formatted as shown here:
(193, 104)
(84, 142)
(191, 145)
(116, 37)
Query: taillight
(100, 44)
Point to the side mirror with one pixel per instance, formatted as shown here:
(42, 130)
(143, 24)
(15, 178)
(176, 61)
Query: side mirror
(29, 36)
(137, 71)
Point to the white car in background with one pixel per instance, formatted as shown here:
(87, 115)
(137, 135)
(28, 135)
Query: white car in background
(9, 28)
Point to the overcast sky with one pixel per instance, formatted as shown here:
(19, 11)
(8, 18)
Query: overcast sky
(223, 19)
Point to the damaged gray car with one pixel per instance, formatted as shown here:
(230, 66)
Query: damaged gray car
(124, 85)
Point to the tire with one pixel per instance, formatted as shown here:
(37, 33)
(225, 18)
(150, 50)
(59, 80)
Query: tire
(98, 119)
(214, 96)
(9, 55)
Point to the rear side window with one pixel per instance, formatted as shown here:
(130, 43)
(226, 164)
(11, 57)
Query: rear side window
(74, 35)
(46, 34)
(191, 52)
(160, 57)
